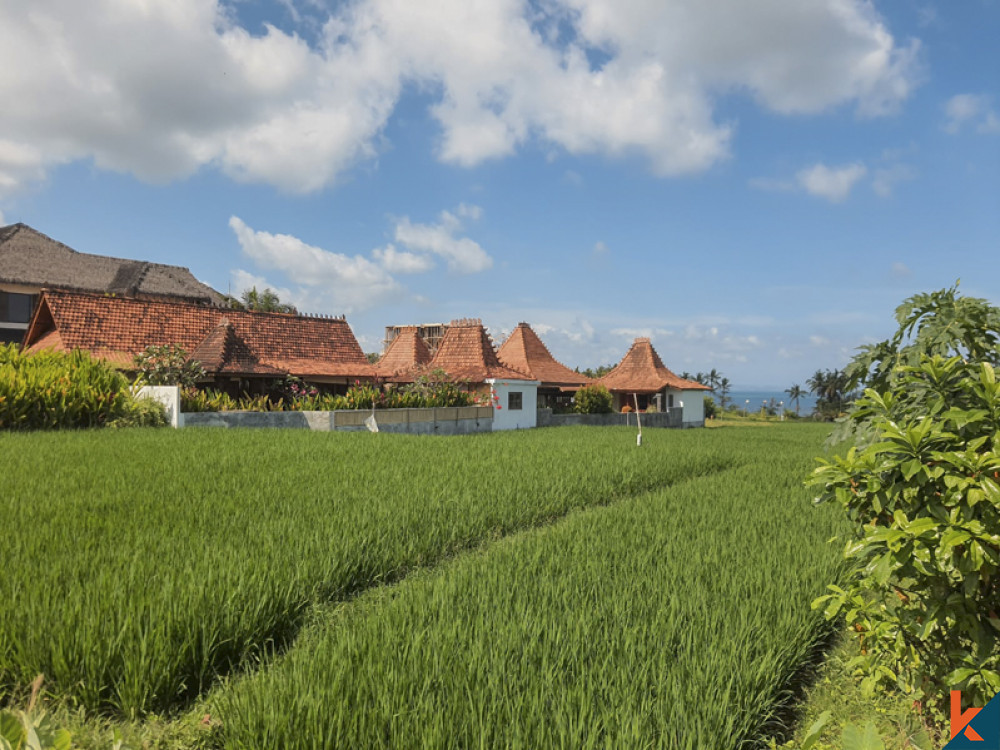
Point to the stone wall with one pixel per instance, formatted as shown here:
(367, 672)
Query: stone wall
(454, 420)
(669, 418)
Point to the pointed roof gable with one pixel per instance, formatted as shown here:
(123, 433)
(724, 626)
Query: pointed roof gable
(642, 371)
(31, 258)
(230, 341)
(406, 352)
(524, 351)
(466, 353)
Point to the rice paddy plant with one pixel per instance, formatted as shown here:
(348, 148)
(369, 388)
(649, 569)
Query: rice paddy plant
(139, 565)
(677, 619)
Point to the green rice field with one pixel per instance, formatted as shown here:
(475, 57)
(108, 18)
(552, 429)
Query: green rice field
(548, 588)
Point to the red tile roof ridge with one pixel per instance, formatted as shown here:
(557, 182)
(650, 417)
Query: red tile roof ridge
(642, 371)
(524, 350)
(406, 352)
(230, 340)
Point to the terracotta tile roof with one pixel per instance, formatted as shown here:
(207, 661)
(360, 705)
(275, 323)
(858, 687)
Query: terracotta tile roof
(525, 352)
(406, 352)
(225, 341)
(466, 353)
(642, 371)
(31, 258)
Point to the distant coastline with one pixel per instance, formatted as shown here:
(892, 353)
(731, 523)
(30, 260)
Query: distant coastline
(757, 398)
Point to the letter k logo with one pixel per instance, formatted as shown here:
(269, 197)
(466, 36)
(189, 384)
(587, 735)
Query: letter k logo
(960, 721)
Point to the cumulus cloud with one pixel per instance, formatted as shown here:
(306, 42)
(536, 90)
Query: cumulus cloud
(161, 90)
(885, 179)
(972, 110)
(832, 183)
(400, 261)
(462, 254)
(346, 283)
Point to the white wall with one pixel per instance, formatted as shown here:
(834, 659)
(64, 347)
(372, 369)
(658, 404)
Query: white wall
(169, 396)
(694, 406)
(518, 419)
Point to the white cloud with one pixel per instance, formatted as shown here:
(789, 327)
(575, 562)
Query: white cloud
(599, 249)
(400, 261)
(161, 90)
(344, 283)
(832, 183)
(885, 179)
(900, 271)
(819, 340)
(2, 221)
(462, 254)
(469, 211)
(971, 109)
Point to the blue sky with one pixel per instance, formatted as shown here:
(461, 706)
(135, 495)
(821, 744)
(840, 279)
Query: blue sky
(755, 186)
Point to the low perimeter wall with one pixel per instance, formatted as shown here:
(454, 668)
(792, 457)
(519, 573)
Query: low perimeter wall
(669, 418)
(450, 420)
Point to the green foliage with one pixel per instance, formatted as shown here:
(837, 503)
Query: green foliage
(925, 503)
(55, 390)
(133, 601)
(583, 634)
(597, 372)
(265, 301)
(923, 491)
(20, 730)
(941, 323)
(168, 365)
(710, 407)
(593, 399)
(832, 389)
(31, 729)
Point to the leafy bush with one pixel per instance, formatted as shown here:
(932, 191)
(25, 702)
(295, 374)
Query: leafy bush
(710, 407)
(168, 365)
(922, 489)
(593, 399)
(925, 503)
(52, 390)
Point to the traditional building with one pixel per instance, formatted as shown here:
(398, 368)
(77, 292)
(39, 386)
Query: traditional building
(241, 351)
(467, 356)
(30, 261)
(406, 353)
(524, 351)
(430, 333)
(641, 376)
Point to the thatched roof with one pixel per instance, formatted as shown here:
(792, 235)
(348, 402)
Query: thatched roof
(30, 258)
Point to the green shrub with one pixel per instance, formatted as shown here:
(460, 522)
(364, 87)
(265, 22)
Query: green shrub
(710, 407)
(593, 399)
(925, 503)
(53, 390)
(168, 365)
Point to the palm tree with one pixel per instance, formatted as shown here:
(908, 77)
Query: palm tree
(794, 394)
(266, 301)
(713, 378)
(724, 386)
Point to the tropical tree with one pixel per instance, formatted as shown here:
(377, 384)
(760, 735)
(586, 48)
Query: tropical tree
(832, 391)
(712, 379)
(794, 394)
(940, 323)
(265, 301)
(724, 388)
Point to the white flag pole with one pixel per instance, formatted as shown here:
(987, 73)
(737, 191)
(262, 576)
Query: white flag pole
(638, 438)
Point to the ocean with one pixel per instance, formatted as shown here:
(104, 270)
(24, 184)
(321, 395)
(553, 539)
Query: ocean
(756, 400)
